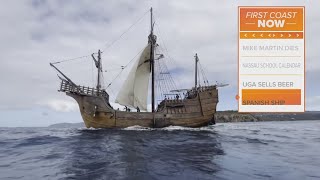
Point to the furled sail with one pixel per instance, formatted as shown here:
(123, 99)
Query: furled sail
(134, 91)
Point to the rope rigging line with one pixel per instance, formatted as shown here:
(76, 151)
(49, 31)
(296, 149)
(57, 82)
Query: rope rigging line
(160, 79)
(111, 44)
(205, 79)
(124, 67)
(71, 59)
(102, 82)
(127, 30)
(164, 46)
(173, 84)
(169, 82)
(115, 78)
(158, 84)
(110, 90)
(114, 69)
(165, 82)
(92, 73)
(198, 75)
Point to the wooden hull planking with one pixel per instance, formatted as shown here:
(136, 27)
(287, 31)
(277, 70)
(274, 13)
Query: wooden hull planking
(196, 112)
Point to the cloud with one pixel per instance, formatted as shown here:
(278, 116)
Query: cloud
(60, 105)
(36, 32)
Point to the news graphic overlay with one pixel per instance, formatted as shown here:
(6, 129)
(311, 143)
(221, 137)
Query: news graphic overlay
(271, 59)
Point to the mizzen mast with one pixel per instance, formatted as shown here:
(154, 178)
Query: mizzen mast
(196, 71)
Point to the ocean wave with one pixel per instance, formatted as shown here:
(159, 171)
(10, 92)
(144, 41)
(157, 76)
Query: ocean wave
(222, 151)
(39, 140)
(89, 129)
(138, 128)
(255, 140)
(169, 128)
(180, 128)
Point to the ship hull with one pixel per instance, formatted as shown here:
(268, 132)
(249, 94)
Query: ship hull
(196, 112)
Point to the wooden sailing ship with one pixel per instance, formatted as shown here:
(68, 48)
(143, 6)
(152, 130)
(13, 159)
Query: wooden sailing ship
(192, 107)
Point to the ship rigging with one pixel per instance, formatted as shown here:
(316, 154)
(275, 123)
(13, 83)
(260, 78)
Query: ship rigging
(191, 107)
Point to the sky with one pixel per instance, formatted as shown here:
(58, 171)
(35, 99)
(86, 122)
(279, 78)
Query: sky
(36, 32)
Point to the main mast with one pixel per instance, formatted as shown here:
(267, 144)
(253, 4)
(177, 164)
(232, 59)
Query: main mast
(196, 71)
(152, 41)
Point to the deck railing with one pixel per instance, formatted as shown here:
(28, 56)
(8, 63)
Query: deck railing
(66, 86)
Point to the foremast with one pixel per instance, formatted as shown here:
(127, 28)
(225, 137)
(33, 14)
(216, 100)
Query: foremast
(99, 67)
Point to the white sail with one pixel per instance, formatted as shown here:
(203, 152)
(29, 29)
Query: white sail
(134, 91)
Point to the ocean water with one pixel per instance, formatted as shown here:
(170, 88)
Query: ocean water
(261, 150)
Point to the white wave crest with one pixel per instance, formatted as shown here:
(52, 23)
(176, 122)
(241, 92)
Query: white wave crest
(137, 128)
(90, 129)
(169, 128)
(180, 128)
